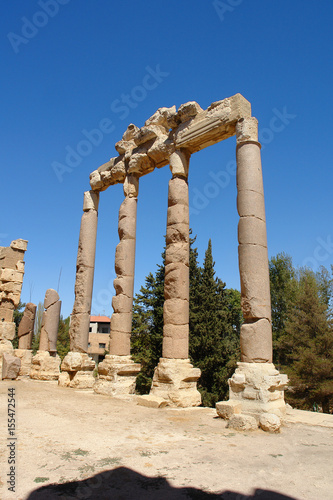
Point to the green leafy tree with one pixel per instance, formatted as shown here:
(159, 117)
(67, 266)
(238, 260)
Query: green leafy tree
(213, 340)
(283, 285)
(308, 346)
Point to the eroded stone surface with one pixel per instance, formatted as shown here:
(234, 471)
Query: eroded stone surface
(242, 423)
(175, 381)
(269, 422)
(44, 366)
(50, 322)
(77, 371)
(117, 375)
(25, 355)
(10, 366)
(26, 327)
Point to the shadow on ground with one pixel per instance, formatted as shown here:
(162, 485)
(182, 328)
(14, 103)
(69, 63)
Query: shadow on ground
(126, 484)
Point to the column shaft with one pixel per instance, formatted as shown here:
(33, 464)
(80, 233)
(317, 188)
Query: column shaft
(122, 302)
(85, 265)
(256, 332)
(176, 284)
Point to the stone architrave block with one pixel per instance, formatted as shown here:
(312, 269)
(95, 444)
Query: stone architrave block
(256, 342)
(176, 311)
(26, 326)
(10, 366)
(252, 231)
(7, 330)
(160, 151)
(251, 204)
(176, 282)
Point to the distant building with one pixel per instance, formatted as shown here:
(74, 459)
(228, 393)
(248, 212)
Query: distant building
(99, 337)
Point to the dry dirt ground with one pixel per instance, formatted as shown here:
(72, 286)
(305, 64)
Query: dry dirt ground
(89, 446)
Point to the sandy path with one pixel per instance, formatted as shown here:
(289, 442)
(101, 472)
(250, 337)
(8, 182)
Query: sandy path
(66, 435)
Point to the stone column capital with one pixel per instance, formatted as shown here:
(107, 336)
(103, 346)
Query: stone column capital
(131, 186)
(179, 163)
(90, 200)
(247, 130)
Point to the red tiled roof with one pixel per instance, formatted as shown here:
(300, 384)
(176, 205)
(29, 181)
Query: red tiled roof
(99, 319)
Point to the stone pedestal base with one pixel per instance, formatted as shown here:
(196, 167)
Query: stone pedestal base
(44, 366)
(77, 371)
(25, 355)
(175, 380)
(117, 375)
(254, 389)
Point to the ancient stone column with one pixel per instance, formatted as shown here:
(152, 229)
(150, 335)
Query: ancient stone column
(122, 302)
(175, 378)
(117, 372)
(45, 364)
(256, 332)
(26, 327)
(50, 322)
(256, 389)
(85, 265)
(77, 367)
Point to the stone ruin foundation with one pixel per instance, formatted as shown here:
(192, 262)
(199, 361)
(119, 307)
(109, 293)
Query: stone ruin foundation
(11, 279)
(171, 136)
(45, 364)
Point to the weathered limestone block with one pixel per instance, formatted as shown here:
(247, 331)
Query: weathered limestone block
(175, 381)
(116, 375)
(78, 331)
(124, 285)
(179, 163)
(121, 322)
(26, 327)
(176, 282)
(130, 132)
(178, 192)
(25, 355)
(44, 366)
(162, 117)
(249, 170)
(5, 347)
(7, 330)
(178, 214)
(125, 258)
(122, 303)
(151, 401)
(259, 388)
(50, 322)
(251, 204)
(120, 342)
(176, 311)
(242, 423)
(177, 233)
(140, 164)
(269, 422)
(77, 371)
(86, 247)
(6, 310)
(247, 130)
(226, 409)
(252, 231)
(10, 366)
(254, 277)
(177, 253)
(161, 150)
(82, 289)
(175, 348)
(131, 190)
(256, 342)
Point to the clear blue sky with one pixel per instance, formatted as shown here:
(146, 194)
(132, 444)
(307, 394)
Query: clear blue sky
(68, 65)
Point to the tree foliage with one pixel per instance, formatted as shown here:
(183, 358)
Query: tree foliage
(63, 337)
(17, 316)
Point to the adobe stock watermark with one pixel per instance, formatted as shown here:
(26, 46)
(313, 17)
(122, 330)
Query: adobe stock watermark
(321, 253)
(200, 199)
(121, 107)
(224, 7)
(30, 27)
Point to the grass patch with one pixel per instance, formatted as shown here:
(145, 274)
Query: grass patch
(41, 479)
